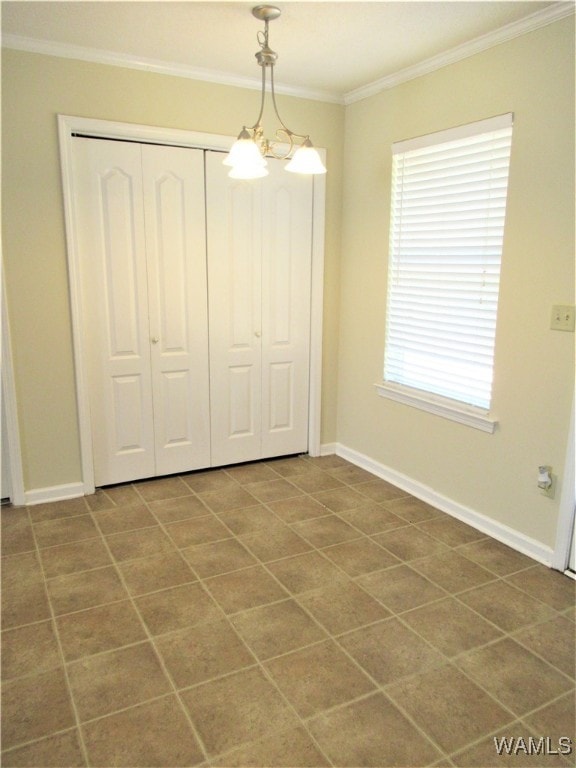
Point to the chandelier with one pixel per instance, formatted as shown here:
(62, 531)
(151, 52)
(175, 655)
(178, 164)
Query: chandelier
(247, 157)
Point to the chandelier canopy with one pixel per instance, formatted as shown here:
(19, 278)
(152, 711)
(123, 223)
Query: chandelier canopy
(247, 156)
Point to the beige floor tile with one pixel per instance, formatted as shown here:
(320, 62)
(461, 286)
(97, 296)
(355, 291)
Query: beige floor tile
(273, 490)
(317, 678)
(452, 572)
(340, 499)
(243, 522)
(343, 607)
(53, 752)
(34, 707)
(275, 542)
(449, 707)
(116, 680)
(200, 530)
(451, 531)
(371, 732)
(249, 588)
(162, 488)
(151, 574)
(237, 709)
(552, 587)
(135, 544)
(71, 558)
(315, 481)
(506, 606)
(325, 531)
(352, 475)
(293, 748)
(381, 491)
(451, 627)
(276, 629)
(305, 572)
(29, 650)
(496, 557)
(99, 629)
(413, 510)
(554, 640)
(203, 652)
(212, 480)
(372, 518)
(517, 678)
(218, 557)
(153, 734)
(16, 531)
(233, 497)
(400, 588)
(52, 510)
(360, 556)
(409, 543)
(176, 608)
(78, 591)
(108, 498)
(293, 465)
(389, 651)
(175, 510)
(122, 519)
(298, 508)
(64, 530)
(252, 473)
(23, 602)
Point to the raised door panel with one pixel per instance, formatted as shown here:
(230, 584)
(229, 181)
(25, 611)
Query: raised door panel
(176, 247)
(234, 212)
(110, 240)
(286, 280)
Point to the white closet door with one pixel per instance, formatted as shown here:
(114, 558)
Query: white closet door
(140, 225)
(259, 267)
(109, 231)
(234, 216)
(286, 281)
(174, 213)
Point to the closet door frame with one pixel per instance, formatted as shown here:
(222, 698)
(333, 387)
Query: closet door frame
(68, 126)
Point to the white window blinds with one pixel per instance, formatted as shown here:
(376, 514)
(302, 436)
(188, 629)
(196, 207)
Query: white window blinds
(447, 226)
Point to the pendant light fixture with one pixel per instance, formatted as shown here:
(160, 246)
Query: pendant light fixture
(247, 157)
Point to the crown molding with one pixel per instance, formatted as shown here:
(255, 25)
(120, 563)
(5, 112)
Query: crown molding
(112, 58)
(477, 45)
(530, 23)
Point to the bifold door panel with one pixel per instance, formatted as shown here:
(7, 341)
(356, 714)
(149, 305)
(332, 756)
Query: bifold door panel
(195, 306)
(141, 236)
(259, 278)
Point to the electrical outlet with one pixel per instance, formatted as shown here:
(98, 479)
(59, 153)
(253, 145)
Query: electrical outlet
(562, 318)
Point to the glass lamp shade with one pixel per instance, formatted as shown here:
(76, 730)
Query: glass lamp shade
(306, 160)
(244, 152)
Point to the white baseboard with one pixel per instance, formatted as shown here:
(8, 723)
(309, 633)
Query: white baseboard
(54, 493)
(327, 449)
(489, 526)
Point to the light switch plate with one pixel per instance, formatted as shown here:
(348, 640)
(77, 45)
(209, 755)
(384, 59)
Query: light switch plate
(562, 318)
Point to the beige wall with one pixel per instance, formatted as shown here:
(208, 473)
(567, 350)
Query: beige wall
(531, 76)
(35, 88)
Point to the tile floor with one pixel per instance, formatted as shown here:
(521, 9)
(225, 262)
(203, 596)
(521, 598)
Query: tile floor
(297, 612)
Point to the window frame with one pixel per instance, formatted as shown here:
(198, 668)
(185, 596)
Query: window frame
(453, 409)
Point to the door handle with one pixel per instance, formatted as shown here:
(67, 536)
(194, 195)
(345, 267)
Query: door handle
(257, 334)
(154, 339)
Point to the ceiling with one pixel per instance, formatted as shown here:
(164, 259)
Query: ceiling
(326, 49)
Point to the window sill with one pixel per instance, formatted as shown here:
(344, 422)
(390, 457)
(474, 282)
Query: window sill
(449, 409)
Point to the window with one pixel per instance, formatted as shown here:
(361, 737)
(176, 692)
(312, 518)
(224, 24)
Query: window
(446, 232)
